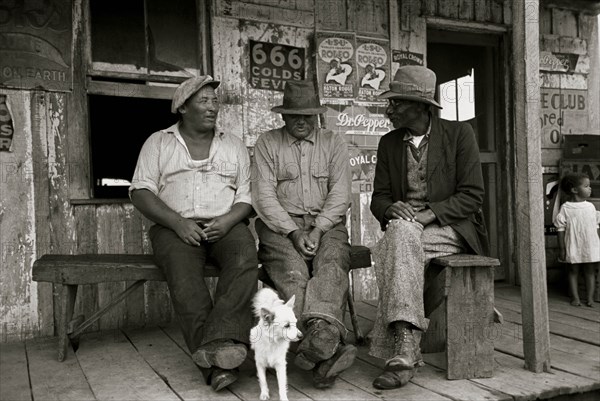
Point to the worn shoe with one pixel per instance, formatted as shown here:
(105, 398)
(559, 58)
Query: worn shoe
(224, 354)
(222, 378)
(320, 343)
(408, 354)
(391, 380)
(326, 372)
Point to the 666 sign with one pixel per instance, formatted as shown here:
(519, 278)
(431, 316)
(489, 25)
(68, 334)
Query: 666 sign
(272, 65)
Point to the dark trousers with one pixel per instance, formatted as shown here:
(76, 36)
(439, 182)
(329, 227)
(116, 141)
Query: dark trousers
(183, 265)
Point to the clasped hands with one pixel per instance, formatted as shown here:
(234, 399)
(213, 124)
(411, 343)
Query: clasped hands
(405, 211)
(306, 243)
(193, 233)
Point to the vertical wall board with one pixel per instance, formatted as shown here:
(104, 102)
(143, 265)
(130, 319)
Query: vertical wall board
(18, 297)
(589, 31)
(545, 21)
(482, 10)
(133, 243)
(39, 130)
(110, 240)
(77, 114)
(507, 10)
(466, 10)
(448, 8)
(86, 228)
(61, 222)
(497, 12)
(564, 23)
(331, 15)
(371, 18)
(429, 7)
(364, 280)
(228, 69)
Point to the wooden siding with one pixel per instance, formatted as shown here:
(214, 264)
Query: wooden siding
(50, 162)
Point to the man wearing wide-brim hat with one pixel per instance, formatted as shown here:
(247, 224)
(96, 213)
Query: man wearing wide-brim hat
(193, 182)
(301, 193)
(428, 190)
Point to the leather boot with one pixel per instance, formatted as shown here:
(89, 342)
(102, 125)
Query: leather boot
(320, 343)
(406, 345)
(392, 380)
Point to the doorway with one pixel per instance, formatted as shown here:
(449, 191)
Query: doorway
(469, 69)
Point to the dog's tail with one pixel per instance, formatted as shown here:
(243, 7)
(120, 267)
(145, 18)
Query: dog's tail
(265, 298)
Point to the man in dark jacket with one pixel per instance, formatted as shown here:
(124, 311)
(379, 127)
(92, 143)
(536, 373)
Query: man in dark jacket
(428, 191)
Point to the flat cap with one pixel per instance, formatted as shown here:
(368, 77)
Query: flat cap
(189, 87)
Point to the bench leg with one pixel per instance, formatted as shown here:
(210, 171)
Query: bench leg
(470, 322)
(67, 304)
(358, 334)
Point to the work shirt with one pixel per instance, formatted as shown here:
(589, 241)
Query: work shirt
(296, 177)
(196, 189)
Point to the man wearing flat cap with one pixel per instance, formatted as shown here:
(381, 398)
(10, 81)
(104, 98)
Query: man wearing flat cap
(301, 193)
(428, 190)
(193, 183)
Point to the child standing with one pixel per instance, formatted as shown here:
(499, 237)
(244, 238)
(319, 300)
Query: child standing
(578, 242)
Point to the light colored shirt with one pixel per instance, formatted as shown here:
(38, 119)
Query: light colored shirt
(299, 177)
(196, 189)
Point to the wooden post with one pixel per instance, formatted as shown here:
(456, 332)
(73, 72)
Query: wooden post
(531, 259)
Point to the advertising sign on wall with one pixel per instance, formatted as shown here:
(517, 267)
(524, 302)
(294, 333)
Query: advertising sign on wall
(362, 166)
(272, 65)
(6, 126)
(336, 67)
(562, 112)
(357, 119)
(35, 44)
(373, 67)
(406, 58)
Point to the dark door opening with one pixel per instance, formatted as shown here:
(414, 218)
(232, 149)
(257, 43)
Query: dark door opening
(469, 71)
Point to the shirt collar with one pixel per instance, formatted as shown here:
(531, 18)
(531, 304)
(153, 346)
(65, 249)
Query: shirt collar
(291, 140)
(174, 129)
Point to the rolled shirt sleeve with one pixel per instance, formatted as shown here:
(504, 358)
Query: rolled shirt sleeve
(147, 170)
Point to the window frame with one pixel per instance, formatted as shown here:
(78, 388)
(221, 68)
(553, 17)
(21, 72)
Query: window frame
(127, 84)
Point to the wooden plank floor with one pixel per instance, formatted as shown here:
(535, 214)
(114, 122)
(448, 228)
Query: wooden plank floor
(154, 364)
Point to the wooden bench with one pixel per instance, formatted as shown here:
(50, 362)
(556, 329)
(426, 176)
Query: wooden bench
(70, 271)
(459, 301)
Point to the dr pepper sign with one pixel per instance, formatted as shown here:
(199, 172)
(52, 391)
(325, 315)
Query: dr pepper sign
(272, 65)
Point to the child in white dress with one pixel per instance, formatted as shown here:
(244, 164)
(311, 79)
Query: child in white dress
(578, 242)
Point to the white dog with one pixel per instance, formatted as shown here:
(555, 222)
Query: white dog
(271, 337)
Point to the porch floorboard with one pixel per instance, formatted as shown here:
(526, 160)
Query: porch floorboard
(154, 364)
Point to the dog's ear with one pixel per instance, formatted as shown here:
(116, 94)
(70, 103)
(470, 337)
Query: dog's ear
(267, 315)
(291, 301)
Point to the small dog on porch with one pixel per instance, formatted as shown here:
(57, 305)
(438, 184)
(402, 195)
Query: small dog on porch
(271, 338)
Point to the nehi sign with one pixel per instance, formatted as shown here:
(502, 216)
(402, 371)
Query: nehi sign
(272, 65)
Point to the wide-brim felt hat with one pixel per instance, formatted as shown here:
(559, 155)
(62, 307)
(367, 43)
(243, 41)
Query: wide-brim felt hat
(413, 82)
(190, 86)
(299, 97)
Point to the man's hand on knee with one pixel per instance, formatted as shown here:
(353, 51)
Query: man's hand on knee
(303, 244)
(189, 231)
(400, 210)
(217, 228)
(315, 237)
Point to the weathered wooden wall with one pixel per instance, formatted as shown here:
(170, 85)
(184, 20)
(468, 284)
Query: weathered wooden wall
(50, 163)
(572, 34)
